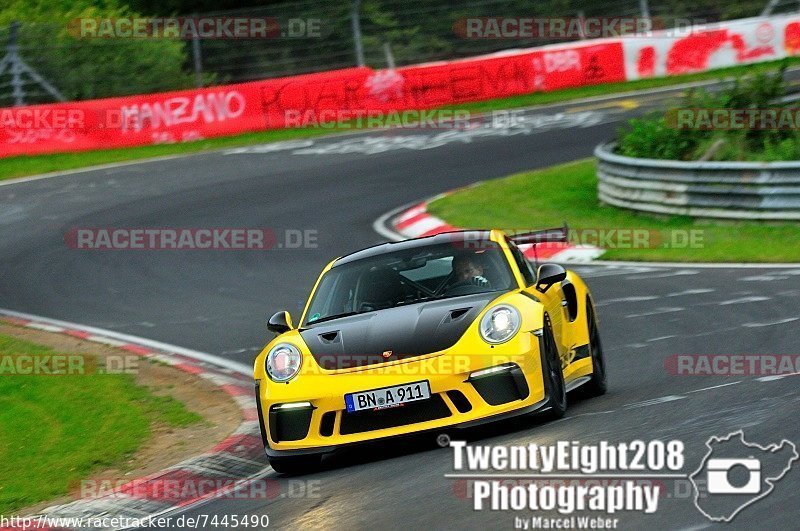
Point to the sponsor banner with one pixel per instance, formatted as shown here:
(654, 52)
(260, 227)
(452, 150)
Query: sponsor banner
(510, 74)
(713, 46)
(164, 118)
(183, 116)
(340, 95)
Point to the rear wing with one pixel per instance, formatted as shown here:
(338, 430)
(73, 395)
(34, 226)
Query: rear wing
(559, 234)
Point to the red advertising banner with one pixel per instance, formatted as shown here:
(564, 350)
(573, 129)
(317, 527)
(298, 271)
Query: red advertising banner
(168, 117)
(702, 48)
(188, 115)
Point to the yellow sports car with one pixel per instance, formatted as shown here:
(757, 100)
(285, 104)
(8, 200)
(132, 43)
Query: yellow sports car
(426, 335)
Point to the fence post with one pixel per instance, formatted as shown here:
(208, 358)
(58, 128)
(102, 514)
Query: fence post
(16, 71)
(355, 20)
(767, 11)
(196, 56)
(644, 8)
(387, 51)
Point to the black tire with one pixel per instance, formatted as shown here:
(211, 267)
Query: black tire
(553, 375)
(292, 466)
(597, 385)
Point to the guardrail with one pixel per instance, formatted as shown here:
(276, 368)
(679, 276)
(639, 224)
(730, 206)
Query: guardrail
(732, 190)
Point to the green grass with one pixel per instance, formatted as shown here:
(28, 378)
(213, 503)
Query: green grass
(21, 166)
(31, 165)
(56, 430)
(545, 198)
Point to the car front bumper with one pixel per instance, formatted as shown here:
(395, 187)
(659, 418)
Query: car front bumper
(309, 416)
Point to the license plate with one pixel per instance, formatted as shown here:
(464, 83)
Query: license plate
(387, 397)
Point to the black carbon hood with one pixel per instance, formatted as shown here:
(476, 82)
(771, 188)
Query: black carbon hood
(406, 331)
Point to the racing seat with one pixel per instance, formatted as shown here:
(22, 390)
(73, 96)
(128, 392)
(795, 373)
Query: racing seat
(492, 273)
(379, 290)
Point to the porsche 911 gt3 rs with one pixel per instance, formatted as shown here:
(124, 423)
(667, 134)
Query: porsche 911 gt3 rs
(426, 335)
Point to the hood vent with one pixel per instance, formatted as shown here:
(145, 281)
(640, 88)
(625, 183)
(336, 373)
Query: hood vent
(330, 337)
(455, 315)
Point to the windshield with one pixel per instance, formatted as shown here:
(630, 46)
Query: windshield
(407, 277)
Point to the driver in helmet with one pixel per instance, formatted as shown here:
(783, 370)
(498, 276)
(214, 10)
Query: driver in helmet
(468, 269)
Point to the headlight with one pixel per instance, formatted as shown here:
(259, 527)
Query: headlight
(500, 324)
(283, 362)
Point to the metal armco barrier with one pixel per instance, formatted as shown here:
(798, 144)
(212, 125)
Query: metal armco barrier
(732, 190)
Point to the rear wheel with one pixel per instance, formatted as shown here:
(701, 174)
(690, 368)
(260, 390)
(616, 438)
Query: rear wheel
(296, 465)
(553, 375)
(597, 385)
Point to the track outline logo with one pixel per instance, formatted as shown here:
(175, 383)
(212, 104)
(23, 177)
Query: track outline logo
(768, 480)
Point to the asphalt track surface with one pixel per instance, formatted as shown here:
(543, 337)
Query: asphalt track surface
(218, 302)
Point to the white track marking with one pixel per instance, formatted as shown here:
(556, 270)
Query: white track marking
(742, 300)
(381, 225)
(714, 387)
(632, 299)
(106, 340)
(776, 377)
(593, 413)
(771, 323)
(659, 338)
(270, 148)
(371, 144)
(45, 327)
(657, 311)
(636, 345)
(241, 350)
(678, 273)
(763, 278)
(697, 291)
(654, 401)
(424, 225)
(696, 527)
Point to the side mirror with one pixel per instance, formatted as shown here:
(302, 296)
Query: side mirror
(280, 322)
(549, 274)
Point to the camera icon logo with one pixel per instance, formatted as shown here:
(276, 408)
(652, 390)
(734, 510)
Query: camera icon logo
(720, 472)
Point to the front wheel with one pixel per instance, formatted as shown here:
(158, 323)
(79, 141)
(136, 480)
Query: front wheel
(597, 385)
(553, 375)
(296, 465)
